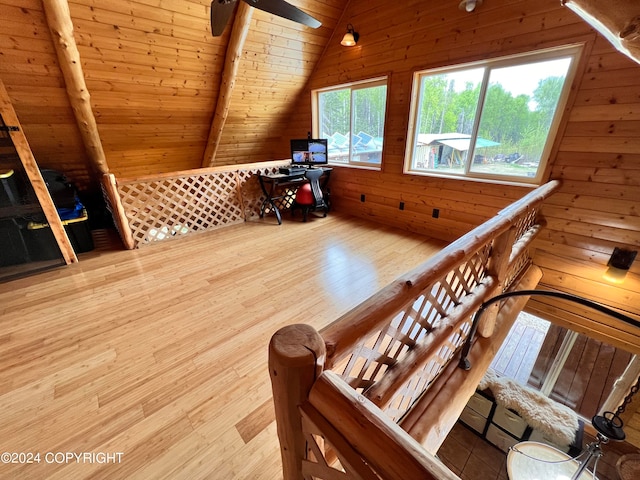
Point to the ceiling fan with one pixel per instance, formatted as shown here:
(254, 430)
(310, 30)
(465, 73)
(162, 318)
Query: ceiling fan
(221, 11)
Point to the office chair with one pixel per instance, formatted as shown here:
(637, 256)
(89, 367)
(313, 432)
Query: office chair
(309, 196)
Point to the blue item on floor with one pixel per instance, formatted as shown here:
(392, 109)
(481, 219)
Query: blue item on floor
(71, 213)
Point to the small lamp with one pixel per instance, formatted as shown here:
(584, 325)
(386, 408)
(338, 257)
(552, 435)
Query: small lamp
(350, 38)
(469, 5)
(619, 264)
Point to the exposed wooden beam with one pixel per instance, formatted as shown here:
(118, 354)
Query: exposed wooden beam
(35, 177)
(61, 27)
(239, 33)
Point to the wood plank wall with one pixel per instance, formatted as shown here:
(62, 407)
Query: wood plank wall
(153, 71)
(596, 153)
(398, 39)
(29, 68)
(597, 207)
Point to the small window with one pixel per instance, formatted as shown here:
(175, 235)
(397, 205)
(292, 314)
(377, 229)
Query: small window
(493, 120)
(351, 117)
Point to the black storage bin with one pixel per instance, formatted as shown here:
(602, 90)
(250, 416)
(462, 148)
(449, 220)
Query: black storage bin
(13, 249)
(9, 193)
(41, 242)
(43, 246)
(62, 191)
(79, 233)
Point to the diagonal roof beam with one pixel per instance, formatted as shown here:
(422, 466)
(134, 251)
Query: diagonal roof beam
(239, 33)
(61, 27)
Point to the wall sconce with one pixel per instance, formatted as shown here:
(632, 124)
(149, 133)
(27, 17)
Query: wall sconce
(619, 264)
(469, 5)
(350, 38)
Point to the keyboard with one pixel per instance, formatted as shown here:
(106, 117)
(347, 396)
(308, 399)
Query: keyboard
(292, 170)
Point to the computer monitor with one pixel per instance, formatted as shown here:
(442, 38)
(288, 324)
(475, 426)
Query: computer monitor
(309, 151)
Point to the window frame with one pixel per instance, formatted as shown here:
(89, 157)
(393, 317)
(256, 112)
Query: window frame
(574, 51)
(351, 86)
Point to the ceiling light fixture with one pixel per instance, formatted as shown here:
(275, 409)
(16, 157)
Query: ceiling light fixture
(469, 5)
(619, 264)
(350, 38)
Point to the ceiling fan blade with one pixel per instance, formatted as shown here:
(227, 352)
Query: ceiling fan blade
(221, 11)
(283, 9)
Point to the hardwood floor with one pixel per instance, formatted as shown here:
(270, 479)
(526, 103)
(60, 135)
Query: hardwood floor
(159, 355)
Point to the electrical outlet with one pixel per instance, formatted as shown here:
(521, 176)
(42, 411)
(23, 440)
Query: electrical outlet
(362, 197)
(401, 205)
(436, 213)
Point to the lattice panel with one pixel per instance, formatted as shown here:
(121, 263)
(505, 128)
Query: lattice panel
(347, 465)
(384, 348)
(411, 391)
(173, 207)
(252, 194)
(517, 265)
(285, 199)
(525, 222)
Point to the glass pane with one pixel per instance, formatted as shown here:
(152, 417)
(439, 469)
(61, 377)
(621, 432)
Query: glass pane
(369, 105)
(27, 243)
(519, 107)
(446, 113)
(334, 110)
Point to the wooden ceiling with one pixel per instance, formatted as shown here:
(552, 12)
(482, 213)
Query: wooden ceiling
(155, 76)
(154, 73)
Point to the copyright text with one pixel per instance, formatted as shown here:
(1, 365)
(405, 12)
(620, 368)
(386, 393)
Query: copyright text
(61, 457)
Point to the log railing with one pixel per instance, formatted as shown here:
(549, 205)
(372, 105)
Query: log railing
(162, 207)
(386, 354)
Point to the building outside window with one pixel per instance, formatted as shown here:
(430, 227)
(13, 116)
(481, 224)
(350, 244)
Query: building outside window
(351, 117)
(493, 120)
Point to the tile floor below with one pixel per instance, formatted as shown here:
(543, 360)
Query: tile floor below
(471, 457)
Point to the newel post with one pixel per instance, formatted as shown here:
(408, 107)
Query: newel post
(296, 358)
(110, 189)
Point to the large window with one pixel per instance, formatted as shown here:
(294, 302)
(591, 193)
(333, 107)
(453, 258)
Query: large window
(351, 117)
(494, 119)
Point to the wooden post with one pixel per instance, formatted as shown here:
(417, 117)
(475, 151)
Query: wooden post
(296, 359)
(231, 63)
(117, 210)
(385, 447)
(497, 268)
(61, 27)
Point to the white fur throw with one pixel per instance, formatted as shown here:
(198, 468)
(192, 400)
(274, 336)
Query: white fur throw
(558, 422)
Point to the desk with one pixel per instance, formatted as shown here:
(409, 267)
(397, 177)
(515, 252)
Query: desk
(280, 190)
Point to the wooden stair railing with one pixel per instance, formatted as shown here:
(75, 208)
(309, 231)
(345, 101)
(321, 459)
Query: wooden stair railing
(316, 409)
(393, 351)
